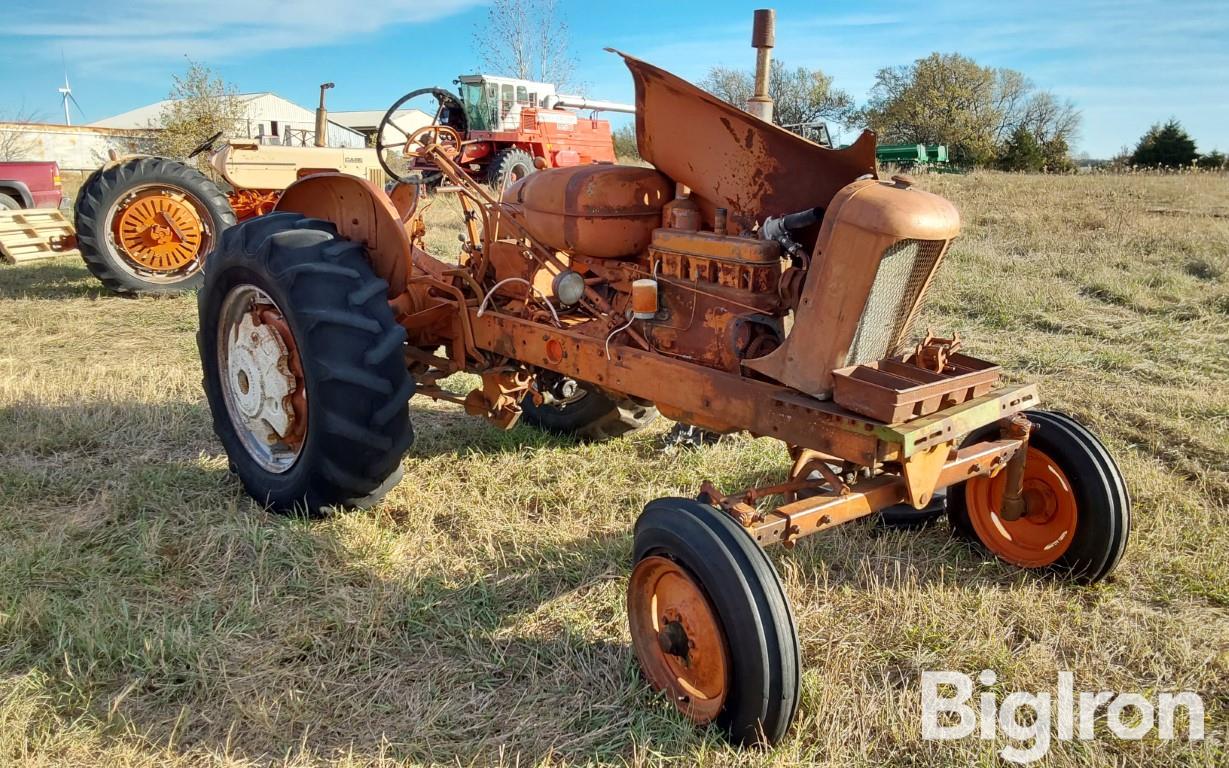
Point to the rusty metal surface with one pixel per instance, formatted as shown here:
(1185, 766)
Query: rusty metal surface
(894, 390)
(731, 159)
(681, 390)
(499, 398)
(861, 227)
(250, 203)
(789, 522)
(295, 404)
(921, 471)
(677, 637)
(1017, 427)
(362, 213)
(921, 434)
(599, 211)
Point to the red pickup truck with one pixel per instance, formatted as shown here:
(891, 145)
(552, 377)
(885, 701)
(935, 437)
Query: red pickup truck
(34, 184)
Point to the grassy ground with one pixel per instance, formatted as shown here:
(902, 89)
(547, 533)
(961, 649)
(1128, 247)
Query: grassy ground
(150, 614)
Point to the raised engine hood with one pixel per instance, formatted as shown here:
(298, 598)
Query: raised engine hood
(732, 159)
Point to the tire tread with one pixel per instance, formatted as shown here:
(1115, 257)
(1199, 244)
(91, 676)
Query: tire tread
(105, 185)
(358, 417)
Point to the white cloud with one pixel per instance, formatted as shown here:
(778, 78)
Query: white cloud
(144, 30)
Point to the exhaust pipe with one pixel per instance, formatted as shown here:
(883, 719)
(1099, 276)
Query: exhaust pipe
(322, 119)
(763, 38)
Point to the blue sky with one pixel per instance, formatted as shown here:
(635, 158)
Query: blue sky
(1125, 63)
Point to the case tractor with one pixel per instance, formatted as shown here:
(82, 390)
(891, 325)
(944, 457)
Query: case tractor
(503, 129)
(749, 280)
(145, 224)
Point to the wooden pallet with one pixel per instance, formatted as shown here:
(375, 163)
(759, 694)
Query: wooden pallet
(37, 233)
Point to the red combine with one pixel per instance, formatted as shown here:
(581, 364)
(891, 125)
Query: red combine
(501, 129)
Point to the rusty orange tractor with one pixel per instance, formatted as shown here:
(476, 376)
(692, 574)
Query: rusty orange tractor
(748, 281)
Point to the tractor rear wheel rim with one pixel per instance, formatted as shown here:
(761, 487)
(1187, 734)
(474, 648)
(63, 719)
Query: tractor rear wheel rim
(677, 637)
(262, 378)
(1044, 533)
(160, 233)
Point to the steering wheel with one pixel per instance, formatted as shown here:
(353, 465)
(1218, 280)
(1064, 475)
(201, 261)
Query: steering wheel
(205, 145)
(413, 145)
(447, 138)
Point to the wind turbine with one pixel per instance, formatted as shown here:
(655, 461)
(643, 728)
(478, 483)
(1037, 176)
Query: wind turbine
(66, 95)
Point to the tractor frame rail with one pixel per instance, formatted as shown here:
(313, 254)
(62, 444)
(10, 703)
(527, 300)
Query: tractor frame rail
(831, 501)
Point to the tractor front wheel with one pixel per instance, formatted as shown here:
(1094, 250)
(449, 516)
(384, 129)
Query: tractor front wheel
(710, 623)
(146, 225)
(303, 365)
(1077, 515)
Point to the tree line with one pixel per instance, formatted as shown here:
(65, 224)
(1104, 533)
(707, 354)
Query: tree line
(989, 117)
(1168, 145)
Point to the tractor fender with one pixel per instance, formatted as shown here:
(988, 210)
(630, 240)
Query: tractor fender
(361, 212)
(114, 159)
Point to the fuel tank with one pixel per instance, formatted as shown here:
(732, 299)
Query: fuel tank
(600, 211)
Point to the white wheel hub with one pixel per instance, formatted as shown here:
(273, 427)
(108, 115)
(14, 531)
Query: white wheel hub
(261, 381)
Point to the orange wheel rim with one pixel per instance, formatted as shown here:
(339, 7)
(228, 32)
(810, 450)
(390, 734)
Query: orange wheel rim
(160, 231)
(1044, 532)
(273, 318)
(677, 637)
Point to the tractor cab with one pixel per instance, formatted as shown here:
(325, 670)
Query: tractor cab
(494, 103)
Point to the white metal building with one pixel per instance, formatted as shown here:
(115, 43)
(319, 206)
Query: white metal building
(73, 147)
(269, 118)
(367, 120)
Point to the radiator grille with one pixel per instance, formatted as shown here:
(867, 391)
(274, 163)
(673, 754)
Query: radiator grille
(899, 287)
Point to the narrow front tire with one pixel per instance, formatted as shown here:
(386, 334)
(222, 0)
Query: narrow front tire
(710, 623)
(1078, 513)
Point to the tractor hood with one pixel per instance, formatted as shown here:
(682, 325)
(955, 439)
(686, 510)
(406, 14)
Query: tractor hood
(731, 159)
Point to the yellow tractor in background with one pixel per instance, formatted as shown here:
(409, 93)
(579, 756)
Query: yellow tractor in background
(145, 223)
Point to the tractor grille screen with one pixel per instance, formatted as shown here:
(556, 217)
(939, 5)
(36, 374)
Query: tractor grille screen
(895, 295)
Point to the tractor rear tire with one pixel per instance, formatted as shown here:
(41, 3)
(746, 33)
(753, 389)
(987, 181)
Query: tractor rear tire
(508, 167)
(171, 192)
(592, 415)
(8, 203)
(710, 622)
(1079, 513)
(350, 365)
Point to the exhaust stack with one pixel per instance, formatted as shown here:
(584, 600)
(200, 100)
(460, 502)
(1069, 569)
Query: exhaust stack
(763, 38)
(322, 119)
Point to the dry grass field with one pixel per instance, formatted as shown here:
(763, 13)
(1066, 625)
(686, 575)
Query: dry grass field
(151, 615)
